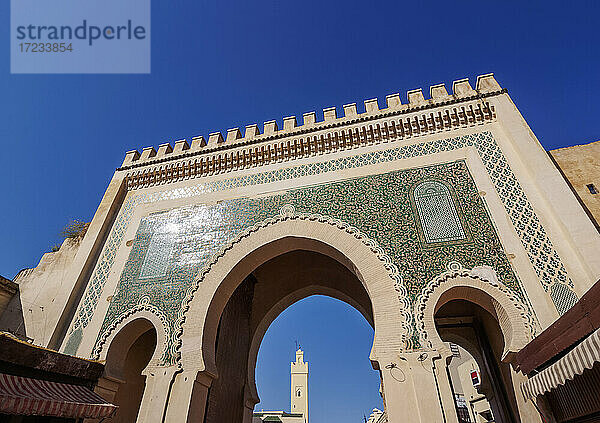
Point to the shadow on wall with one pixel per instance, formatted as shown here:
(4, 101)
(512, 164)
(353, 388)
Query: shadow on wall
(12, 318)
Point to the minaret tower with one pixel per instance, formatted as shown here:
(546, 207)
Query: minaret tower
(299, 371)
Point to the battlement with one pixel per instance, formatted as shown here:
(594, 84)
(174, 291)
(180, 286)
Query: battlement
(438, 95)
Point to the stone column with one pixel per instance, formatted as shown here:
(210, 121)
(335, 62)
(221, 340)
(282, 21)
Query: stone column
(440, 361)
(526, 408)
(412, 389)
(248, 412)
(156, 393)
(249, 402)
(187, 402)
(107, 387)
(398, 390)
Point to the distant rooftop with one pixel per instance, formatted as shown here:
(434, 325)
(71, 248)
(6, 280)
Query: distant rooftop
(268, 414)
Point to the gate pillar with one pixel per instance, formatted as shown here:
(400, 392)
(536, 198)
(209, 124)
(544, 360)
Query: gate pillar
(415, 389)
(250, 400)
(446, 395)
(187, 402)
(156, 393)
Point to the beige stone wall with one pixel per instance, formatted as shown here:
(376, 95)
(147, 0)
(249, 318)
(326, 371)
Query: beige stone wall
(580, 165)
(43, 293)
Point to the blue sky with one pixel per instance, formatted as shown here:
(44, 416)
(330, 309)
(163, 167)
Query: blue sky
(342, 384)
(217, 65)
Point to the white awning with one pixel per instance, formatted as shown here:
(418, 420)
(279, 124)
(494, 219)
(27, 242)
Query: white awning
(582, 357)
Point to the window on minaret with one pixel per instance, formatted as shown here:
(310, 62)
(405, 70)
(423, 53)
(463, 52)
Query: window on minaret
(298, 393)
(592, 188)
(437, 212)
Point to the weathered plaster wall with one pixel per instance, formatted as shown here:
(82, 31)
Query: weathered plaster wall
(43, 293)
(8, 289)
(580, 164)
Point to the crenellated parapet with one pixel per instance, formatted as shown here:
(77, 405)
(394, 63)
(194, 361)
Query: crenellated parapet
(442, 111)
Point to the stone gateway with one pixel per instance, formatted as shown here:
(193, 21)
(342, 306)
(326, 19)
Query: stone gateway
(441, 220)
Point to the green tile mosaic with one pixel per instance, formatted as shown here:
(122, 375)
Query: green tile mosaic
(542, 254)
(198, 232)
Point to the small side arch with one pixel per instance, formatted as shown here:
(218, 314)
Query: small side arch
(481, 287)
(118, 339)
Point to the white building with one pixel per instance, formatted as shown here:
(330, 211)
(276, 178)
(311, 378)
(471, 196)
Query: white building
(298, 398)
(299, 385)
(377, 416)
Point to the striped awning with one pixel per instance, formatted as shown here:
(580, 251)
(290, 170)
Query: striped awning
(580, 358)
(33, 397)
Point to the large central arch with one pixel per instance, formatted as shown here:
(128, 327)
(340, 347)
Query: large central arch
(289, 232)
(292, 256)
(307, 273)
(377, 293)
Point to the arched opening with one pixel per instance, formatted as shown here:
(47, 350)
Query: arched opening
(128, 355)
(335, 339)
(477, 373)
(259, 298)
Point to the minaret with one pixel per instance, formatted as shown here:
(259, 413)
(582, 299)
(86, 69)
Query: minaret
(299, 371)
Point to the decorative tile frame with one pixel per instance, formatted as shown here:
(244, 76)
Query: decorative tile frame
(287, 212)
(542, 255)
(454, 217)
(203, 232)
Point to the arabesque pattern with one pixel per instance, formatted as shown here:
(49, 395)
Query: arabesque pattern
(544, 258)
(201, 231)
(437, 212)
